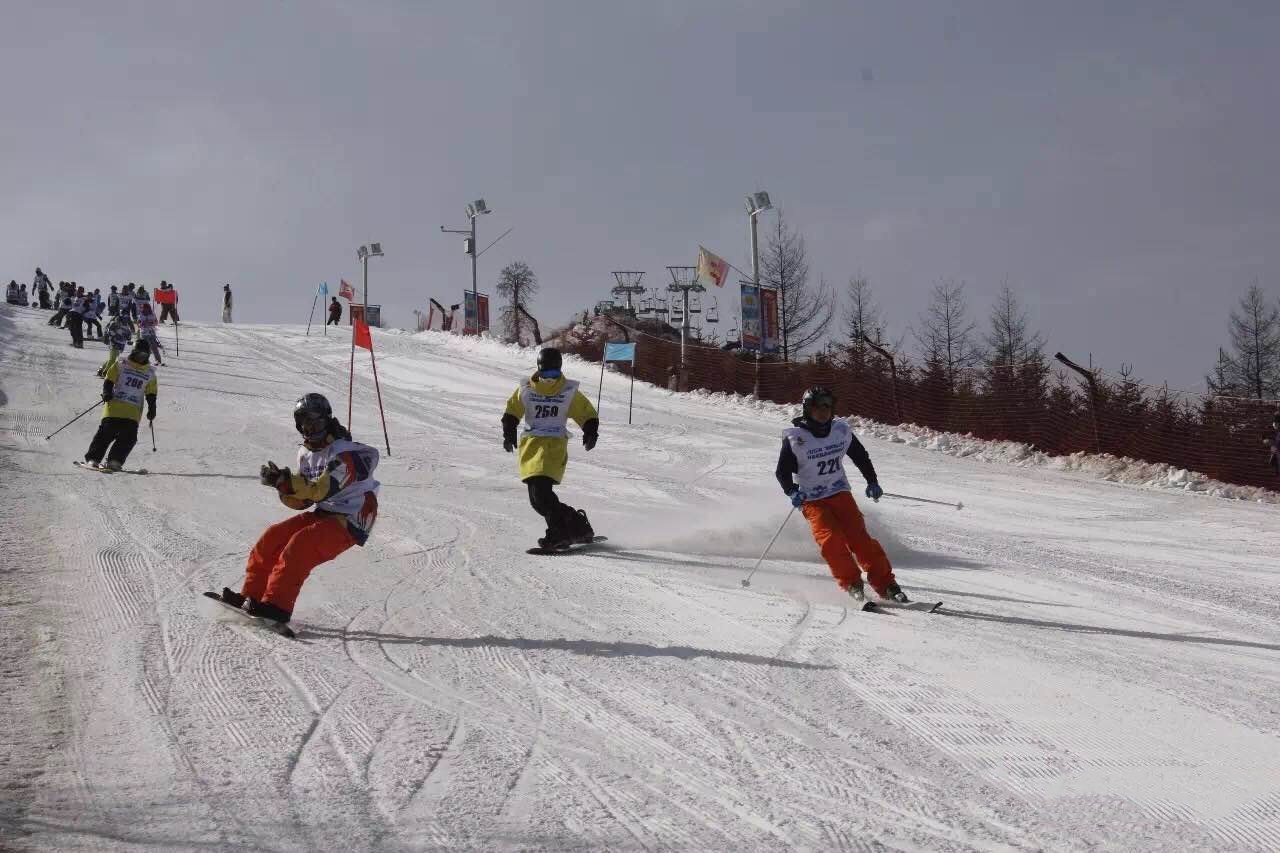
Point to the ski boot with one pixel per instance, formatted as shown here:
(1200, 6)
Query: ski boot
(894, 592)
(112, 465)
(856, 592)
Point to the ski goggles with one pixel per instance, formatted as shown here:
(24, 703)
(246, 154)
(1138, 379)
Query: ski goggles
(312, 426)
(553, 373)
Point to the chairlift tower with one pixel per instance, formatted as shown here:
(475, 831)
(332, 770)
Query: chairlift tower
(628, 285)
(684, 280)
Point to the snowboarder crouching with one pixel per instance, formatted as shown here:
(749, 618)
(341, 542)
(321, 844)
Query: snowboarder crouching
(811, 472)
(127, 384)
(546, 401)
(335, 476)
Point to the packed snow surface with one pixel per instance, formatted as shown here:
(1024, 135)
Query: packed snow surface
(1104, 675)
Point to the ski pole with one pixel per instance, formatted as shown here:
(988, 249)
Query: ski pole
(152, 424)
(95, 405)
(747, 580)
(958, 505)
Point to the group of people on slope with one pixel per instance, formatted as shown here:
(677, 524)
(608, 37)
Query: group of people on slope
(334, 479)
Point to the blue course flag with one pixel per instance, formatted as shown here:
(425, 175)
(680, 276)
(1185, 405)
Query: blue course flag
(620, 352)
(323, 290)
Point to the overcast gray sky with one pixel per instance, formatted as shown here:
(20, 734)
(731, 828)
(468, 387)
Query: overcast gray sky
(1115, 163)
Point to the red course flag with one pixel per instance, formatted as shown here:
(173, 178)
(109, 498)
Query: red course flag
(346, 291)
(360, 334)
(166, 297)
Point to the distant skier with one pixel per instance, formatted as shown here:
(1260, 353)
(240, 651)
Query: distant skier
(167, 309)
(811, 472)
(226, 303)
(92, 314)
(23, 298)
(147, 331)
(113, 302)
(335, 475)
(75, 318)
(64, 305)
(127, 308)
(128, 384)
(118, 334)
(11, 293)
(546, 401)
(335, 312)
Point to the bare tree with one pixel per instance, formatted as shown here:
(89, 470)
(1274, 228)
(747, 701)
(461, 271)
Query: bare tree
(806, 311)
(862, 318)
(946, 334)
(1252, 368)
(518, 285)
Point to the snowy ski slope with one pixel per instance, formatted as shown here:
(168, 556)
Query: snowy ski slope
(1105, 676)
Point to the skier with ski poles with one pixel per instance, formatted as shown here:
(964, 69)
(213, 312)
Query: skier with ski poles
(546, 401)
(118, 334)
(127, 385)
(335, 475)
(811, 472)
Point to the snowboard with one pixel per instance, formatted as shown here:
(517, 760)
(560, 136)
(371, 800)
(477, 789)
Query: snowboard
(923, 606)
(86, 466)
(549, 552)
(268, 624)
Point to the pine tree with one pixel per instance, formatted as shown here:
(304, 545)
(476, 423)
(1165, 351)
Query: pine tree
(862, 320)
(1252, 368)
(946, 335)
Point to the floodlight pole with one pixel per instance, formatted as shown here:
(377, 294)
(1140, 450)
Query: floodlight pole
(473, 210)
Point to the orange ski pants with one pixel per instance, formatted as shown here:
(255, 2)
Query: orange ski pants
(286, 553)
(841, 534)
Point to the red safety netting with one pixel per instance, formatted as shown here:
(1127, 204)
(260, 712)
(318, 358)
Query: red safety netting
(1049, 409)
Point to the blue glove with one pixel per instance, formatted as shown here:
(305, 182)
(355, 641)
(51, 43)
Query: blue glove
(874, 491)
(796, 499)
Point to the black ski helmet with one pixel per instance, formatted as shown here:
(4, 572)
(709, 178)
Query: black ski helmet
(142, 348)
(817, 394)
(549, 359)
(310, 410)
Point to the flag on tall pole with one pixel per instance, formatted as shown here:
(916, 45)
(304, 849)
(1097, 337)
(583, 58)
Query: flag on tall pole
(361, 337)
(346, 291)
(711, 267)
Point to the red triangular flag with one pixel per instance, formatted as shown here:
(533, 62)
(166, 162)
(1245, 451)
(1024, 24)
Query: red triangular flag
(360, 333)
(346, 291)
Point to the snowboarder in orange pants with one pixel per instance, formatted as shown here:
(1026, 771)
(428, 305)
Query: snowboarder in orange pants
(335, 476)
(286, 553)
(811, 472)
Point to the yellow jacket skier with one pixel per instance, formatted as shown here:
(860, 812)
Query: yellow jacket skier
(545, 402)
(128, 384)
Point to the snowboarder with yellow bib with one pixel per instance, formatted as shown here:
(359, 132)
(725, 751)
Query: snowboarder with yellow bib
(545, 402)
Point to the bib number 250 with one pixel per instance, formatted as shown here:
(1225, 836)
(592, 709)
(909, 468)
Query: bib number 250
(541, 411)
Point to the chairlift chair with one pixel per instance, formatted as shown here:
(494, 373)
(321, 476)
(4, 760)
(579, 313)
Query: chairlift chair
(713, 313)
